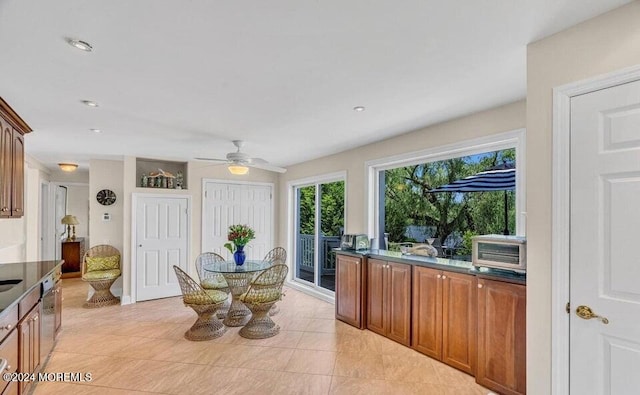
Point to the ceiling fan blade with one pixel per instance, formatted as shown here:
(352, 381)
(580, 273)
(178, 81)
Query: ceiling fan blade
(212, 160)
(266, 166)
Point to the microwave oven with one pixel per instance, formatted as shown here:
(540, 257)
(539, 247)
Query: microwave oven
(354, 242)
(500, 252)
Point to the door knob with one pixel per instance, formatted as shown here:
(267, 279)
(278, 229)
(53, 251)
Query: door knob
(586, 313)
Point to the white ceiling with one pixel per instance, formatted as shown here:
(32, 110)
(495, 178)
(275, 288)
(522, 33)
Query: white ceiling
(180, 79)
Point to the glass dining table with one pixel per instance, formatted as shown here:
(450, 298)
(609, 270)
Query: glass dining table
(238, 277)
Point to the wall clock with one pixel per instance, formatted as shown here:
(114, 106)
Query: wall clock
(106, 197)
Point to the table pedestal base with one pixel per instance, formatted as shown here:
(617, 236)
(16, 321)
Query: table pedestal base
(238, 314)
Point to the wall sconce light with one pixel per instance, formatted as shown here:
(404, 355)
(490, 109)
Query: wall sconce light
(68, 167)
(238, 170)
(71, 221)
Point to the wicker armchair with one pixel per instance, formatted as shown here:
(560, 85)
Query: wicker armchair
(263, 292)
(101, 268)
(205, 303)
(209, 280)
(277, 255)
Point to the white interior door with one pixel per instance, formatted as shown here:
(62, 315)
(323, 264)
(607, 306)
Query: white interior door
(605, 219)
(60, 210)
(229, 204)
(162, 240)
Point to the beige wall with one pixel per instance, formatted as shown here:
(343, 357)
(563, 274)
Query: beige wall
(497, 120)
(600, 45)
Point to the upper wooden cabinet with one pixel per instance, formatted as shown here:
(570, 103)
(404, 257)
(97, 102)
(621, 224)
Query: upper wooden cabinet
(389, 299)
(502, 336)
(444, 316)
(11, 162)
(349, 290)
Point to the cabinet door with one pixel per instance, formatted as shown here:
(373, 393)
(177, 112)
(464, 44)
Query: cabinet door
(427, 311)
(398, 278)
(17, 184)
(376, 294)
(501, 336)
(348, 290)
(459, 321)
(71, 256)
(6, 167)
(29, 331)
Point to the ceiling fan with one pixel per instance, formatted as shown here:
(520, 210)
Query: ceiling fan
(239, 162)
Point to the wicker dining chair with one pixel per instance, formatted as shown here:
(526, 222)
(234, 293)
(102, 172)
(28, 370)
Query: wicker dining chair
(101, 268)
(277, 255)
(210, 280)
(205, 303)
(263, 292)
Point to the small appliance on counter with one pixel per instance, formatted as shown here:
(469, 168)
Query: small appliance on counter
(354, 242)
(500, 252)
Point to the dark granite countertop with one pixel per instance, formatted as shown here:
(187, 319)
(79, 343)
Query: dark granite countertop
(451, 265)
(30, 275)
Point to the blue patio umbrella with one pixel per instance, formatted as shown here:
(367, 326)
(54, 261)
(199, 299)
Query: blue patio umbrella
(499, 178)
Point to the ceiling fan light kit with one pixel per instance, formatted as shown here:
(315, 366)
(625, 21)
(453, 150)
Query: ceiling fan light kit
(238, 170)
(238, 163)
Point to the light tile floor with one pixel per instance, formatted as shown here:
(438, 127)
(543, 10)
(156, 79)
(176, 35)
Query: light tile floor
(140, 348)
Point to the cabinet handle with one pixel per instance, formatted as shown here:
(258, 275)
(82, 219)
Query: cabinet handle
(439, 276)
(4, 209)
(18, 209)
(35, 318)
(479, 285)
(7, 327)
(444, 277)
(8, 368)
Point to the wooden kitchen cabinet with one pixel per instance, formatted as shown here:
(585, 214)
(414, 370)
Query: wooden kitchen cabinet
(502, 336)
(444, 316)
(9, 351)
(389, 299)
(72, 253)
(12, 129)
(29, 345)
(350, 290)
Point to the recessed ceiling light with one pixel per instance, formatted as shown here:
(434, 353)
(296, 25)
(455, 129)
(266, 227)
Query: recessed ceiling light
(96, 130)
(79, 44)
(358, 108)
(89, 103)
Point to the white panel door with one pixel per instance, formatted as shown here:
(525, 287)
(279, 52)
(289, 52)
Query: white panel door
(230, 204)
(161, 241)
(605, 223)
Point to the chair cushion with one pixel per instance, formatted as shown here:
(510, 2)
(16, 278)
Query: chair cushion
(261, 297)
(217, 282)
(103, 263)
(199, 298)
(102, 274)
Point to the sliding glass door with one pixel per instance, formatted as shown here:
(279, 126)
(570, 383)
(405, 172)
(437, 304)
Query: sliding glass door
(319, 225)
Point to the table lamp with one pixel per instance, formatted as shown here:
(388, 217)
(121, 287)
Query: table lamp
(71, 221)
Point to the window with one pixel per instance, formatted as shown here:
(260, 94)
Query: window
(409, 206)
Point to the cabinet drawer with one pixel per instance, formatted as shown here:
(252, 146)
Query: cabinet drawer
(8, 321)
(28, 302)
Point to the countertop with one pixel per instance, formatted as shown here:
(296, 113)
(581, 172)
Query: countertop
(31, 275)
(451, 265)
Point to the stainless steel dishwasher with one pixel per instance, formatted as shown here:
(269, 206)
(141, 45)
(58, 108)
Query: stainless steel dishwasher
(48, 314)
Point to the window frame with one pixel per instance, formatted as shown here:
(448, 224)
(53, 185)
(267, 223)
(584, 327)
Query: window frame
(495, 142)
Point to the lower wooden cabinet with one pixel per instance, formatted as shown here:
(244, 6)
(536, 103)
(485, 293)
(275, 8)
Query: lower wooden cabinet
(444, 317)
(502, 337)
(29, 345)
(9, 351)
(350, 290)
(389, 299)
